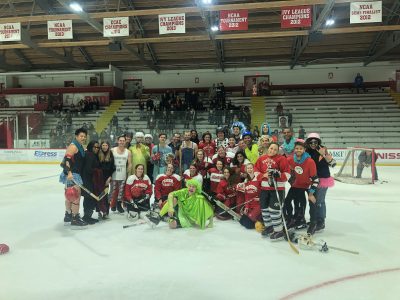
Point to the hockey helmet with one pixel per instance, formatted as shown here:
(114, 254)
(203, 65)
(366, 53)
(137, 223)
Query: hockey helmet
(72, 194)
(247, 133)
(313, 135)
(148, 135)
(139, 134)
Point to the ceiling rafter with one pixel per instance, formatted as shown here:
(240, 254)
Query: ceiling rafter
(302, 42)
(48, 8)
(99, 28)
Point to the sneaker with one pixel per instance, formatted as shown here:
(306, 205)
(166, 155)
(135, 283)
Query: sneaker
(77, 222)
(277, 236)
(320, 227)
(267, 231)
(311, 228)
(67, 218)
(120, 208)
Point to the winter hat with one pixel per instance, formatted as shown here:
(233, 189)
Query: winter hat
(313, 136)
(139, 134)
(300, 142)
(148, 135)
(247, 133)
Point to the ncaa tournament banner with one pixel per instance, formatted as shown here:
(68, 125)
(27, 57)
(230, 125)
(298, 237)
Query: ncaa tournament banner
(10, 32)
(59, 30)
(171, 23)
(116, 26)
(233, 20)
(365, 12)
(296, 16)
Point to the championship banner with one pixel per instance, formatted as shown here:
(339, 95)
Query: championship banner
(233, 20)
(10, 32)
(296, 16)
(113, 27)
(59, 30)
(365, 12)
(172, 23)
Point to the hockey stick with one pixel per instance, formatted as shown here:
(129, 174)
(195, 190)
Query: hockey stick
(103, 193)
(86, 190)
(234, 207)
(228, 210)
(306, 241)
(283, 219)
(134, 224)
(325, 248)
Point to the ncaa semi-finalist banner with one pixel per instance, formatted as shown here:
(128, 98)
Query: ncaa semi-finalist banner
(366, 12)
(172, 23)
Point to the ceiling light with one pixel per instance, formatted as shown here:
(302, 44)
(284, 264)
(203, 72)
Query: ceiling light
(330, 22)
(76, 7)
(207, 2)
(214, 28)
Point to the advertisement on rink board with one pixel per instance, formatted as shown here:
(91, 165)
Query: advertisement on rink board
(171, 23)
(296, 16)
(365, 12)
(116, 26)
(59, 30)
(386, 157)
(10, 32)
(230, 20)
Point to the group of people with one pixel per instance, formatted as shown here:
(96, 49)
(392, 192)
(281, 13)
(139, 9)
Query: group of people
(192, 180)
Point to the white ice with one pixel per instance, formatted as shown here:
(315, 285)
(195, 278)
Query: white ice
(48, 260)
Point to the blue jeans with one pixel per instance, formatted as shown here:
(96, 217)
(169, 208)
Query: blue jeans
(318, 209)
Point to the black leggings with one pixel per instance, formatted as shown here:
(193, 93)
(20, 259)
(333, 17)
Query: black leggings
(298, 196)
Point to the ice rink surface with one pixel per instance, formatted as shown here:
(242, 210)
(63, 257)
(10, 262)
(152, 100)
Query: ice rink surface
(48, 260)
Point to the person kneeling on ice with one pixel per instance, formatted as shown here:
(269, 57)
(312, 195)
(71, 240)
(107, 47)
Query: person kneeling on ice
(138, 190)
(188, 207)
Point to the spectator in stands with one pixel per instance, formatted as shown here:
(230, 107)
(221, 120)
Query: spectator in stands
(288, 145)
(212, 92)
(359, 83)
(279, 109)
(114, 120)
(141, 105)
(289, 117)
(93, 135)
(149, 104)
(365, 161)
(302, 133)
(104, 136)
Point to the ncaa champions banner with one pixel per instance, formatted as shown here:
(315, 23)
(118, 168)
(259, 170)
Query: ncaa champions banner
(59, 30)
(10, 32)
(171, 23)
(366, 12)
(233, 20)
(296, 16)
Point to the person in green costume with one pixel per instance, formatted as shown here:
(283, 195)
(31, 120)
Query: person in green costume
(188, 208)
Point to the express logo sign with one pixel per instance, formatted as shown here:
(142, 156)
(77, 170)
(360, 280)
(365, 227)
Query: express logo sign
(40, 153)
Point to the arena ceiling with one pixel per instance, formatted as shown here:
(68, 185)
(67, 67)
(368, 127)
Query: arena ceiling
(263, 44)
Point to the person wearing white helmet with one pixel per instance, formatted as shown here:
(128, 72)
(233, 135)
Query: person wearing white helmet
(323, 160)
(140, 153)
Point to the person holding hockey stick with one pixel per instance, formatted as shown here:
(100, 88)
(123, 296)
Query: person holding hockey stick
(188, 208)
(248, 198)
(323, 160)
(165, 184)
(226, 192)
(72, 165)
(303, 180)
(272, 166)
(138, 190)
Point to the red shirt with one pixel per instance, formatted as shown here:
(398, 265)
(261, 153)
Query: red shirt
(166, 184)
(215, 178)
(209, 148)
(303, 172)
(144, 184)
(277, 162)
(251, 190)
(224, 191)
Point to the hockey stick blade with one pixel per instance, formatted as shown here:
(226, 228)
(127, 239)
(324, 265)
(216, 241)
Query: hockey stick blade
(227, 209)
(103, 193)
(134, 224)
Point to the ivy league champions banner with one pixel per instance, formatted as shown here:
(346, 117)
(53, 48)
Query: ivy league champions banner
(233, 20)
(10, 32)
(171, 23)
(296, 16)
(366, 12)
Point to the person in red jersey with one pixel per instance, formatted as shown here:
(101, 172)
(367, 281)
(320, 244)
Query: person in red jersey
(248, 198)
(165, 184)
(226, 192)
(221, 155)
(216, 174)
(138, 190)
(273, 168)
(239, 163)
(303, 180)
(207, 144)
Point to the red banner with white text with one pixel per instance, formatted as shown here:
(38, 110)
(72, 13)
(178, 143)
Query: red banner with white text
(296, 16)
(233, 20)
